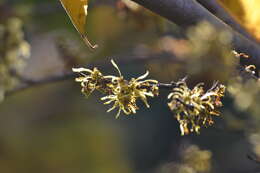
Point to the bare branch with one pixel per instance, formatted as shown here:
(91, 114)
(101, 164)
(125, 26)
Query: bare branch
(28, 83)
(253, 158)
(215, 8)
(186, 13)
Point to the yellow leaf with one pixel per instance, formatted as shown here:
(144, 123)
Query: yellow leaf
(77, 11)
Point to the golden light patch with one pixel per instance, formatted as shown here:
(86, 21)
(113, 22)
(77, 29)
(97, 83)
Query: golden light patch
(246, 12)
(252, 16)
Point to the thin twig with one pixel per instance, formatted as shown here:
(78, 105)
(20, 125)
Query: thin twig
(27, 83)
(253, 158)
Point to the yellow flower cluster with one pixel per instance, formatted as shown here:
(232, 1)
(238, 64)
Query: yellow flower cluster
(122, 93)
(91, 80)
(195, 108)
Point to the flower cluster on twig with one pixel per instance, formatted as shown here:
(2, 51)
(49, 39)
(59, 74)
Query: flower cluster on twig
(122, 93)
(193, 108)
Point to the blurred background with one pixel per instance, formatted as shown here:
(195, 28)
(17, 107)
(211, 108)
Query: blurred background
(53, 128)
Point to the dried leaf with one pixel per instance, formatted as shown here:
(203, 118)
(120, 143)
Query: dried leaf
(77, 11)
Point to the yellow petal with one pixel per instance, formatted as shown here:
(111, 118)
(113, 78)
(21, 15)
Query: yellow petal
(115, 65)
(118, 113)
(113, 107)
(79, 70)
(143, 76)
(108, 102)
(170, 95)
(108, 97)
(80, 79)
(182, 130)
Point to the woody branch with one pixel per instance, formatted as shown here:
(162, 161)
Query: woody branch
(186, 13)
